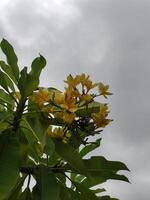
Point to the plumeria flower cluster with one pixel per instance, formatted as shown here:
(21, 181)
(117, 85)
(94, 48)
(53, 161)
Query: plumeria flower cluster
(66, 106)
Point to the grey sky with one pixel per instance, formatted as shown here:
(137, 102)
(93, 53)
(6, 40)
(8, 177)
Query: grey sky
(109, 40)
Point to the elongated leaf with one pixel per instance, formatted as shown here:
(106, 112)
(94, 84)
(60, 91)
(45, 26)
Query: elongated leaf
(3, 82)
(79, 178)
(69, 154)
(98, 190)
(26, 195)
(69, 194)
(6, 81)
(32, 140)
(37, 65)
(103, 177)
(29, 82)
(98, 163)
(82, 193)
(16, 191)
(86, 193)
(101, 170)
(30, 85)
(3, 126)
(8, 70)
(6, 99)
(22, 82)
(107, 198)
(49, 147)
(46, 187)
(39, 126)
(64, 193)
(87, 149)
(9, 163)
(12, 59)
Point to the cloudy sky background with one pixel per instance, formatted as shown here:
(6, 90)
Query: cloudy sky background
(109, 40)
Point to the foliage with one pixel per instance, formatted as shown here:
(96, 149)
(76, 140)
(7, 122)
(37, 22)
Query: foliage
(47, 134)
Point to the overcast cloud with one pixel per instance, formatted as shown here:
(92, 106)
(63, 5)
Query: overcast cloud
(109, 40)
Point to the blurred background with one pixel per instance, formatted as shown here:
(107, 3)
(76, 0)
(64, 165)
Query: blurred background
(110, 41)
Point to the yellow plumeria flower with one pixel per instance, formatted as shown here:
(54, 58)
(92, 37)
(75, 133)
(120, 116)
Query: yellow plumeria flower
(102, 122)
(66, 100)
(89, 84)
(41, 97)
(56, 133)
(68, 117)
(85, 81)
(100, 117)
(50, 109)
(103, 109)
(73, 82)
(82, 77)
(59, 98)
(58, 115)
(70, 105)
(86, 98)
(103, 90)
(71, 92)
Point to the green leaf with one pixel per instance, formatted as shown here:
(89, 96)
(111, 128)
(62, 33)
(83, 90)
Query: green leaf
(49, 147)
(22, 82)
(69, 194)
(6, 82)
(3, 82)
(16, 191)
(5, 116)
(98, 190)
(107, 198)
(101, 170)
(93, 107)
(86, 193)
(46, 187)
(94, 181)
(32, 139)
(9, 163)
(6, 99)
(87, 149)
(26, 195)
(69, 154)
(79, 178)
(3, 126)
(64, 193)
(39, 126)
(37, 65)
(8, 70)
(29, 82)
(61, 177)
(12, 59)
(98, 163)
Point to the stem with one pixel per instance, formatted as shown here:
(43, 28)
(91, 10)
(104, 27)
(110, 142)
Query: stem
(18, 114)
(30, 170)
(73, 185)
(47, 157)
(29, 178)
